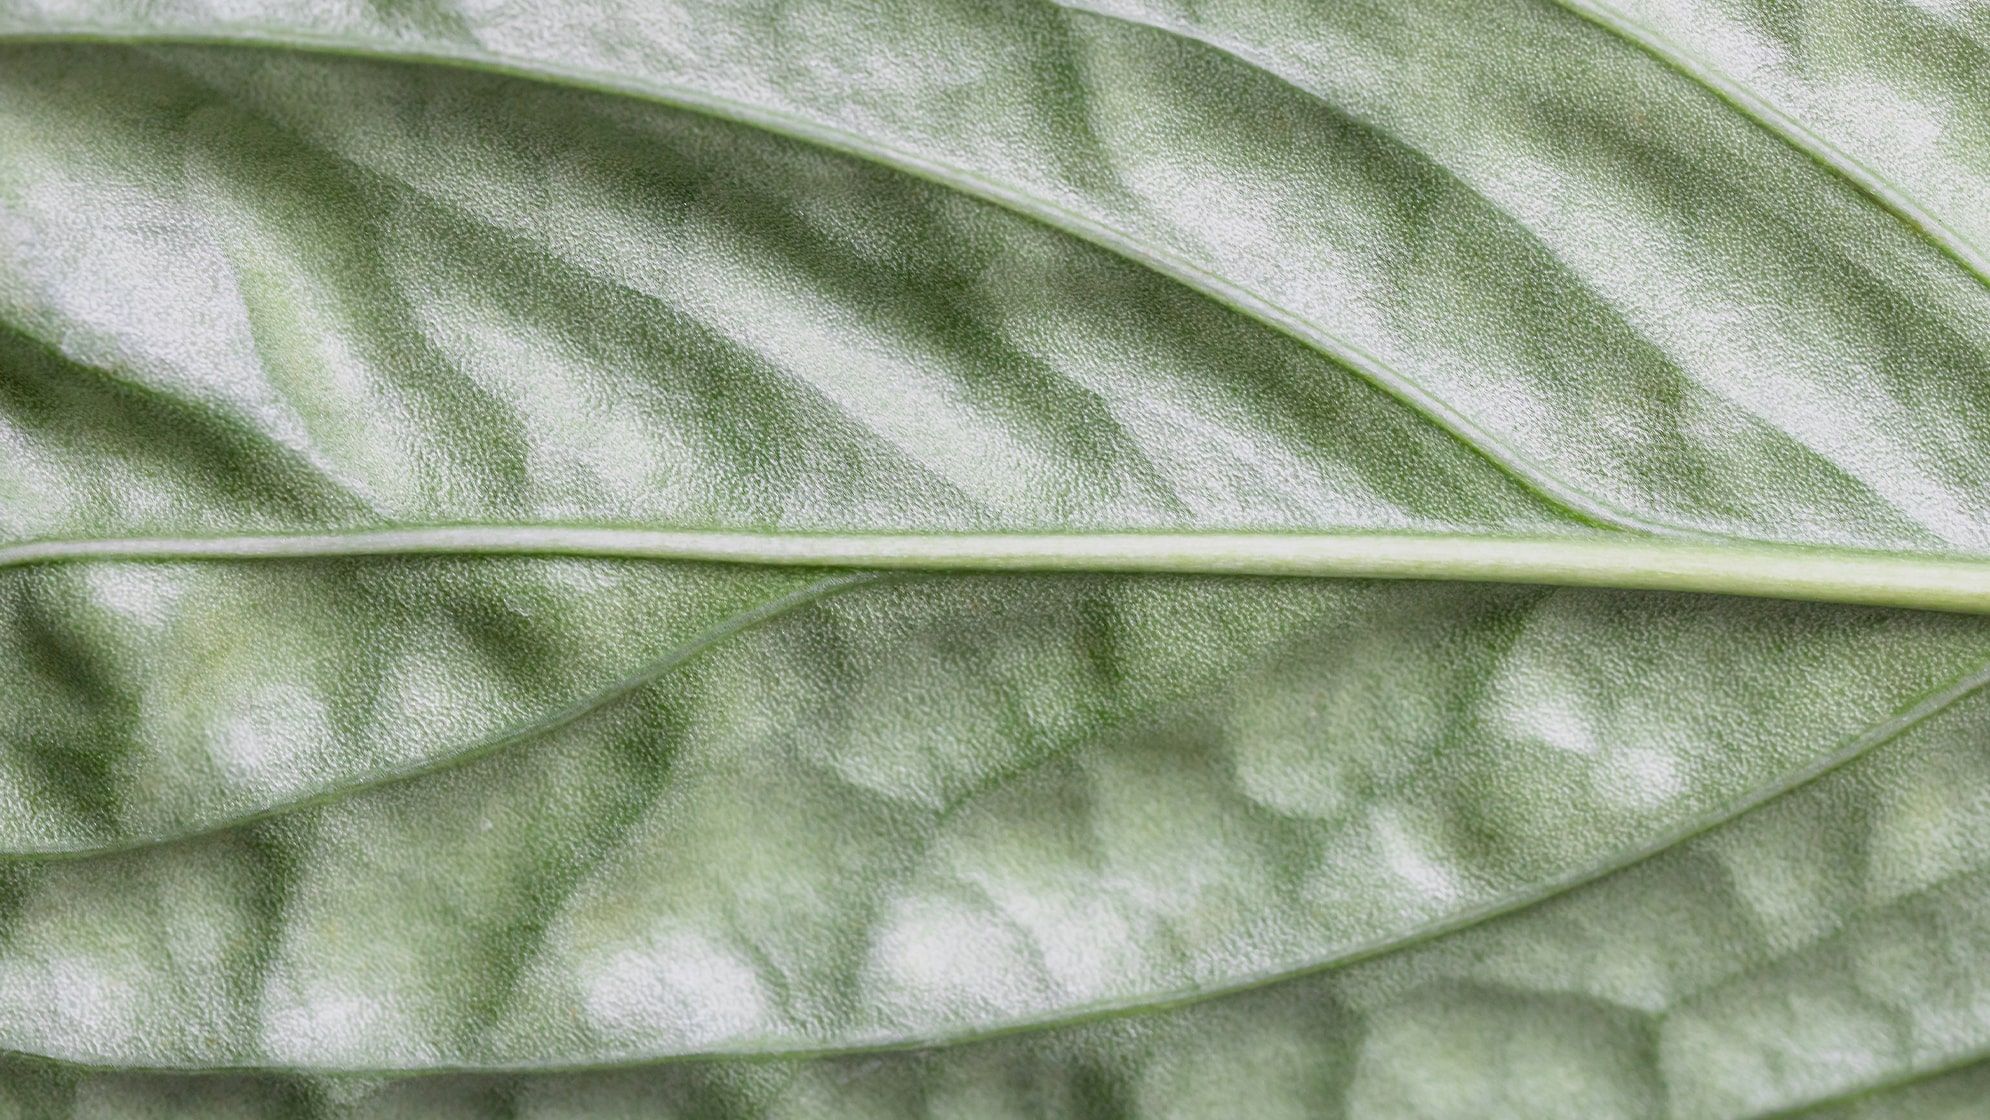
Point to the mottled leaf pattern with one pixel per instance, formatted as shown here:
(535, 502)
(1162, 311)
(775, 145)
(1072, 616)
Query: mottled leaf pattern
(455, 827)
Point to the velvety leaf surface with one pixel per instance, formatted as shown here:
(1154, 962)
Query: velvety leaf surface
(857, 824)
(1639, 302)
(774, 840)
(1791, 955)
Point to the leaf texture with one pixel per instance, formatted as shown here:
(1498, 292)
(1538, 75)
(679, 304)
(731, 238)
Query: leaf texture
(553, 835)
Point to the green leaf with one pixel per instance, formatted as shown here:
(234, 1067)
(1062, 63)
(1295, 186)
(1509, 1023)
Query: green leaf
(629, 559)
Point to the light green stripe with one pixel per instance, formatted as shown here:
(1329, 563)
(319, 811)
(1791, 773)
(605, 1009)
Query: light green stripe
(1834, 576)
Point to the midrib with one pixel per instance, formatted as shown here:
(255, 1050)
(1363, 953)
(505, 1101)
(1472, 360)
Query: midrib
(1626, 562)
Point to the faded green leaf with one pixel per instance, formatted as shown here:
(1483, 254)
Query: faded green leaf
(495, 502)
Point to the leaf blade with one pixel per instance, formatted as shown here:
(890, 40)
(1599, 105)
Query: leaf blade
(1652, 357)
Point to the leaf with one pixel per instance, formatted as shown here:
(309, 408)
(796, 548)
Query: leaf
(451, 455)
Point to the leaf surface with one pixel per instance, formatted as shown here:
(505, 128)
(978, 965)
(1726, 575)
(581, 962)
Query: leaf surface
(331, 335)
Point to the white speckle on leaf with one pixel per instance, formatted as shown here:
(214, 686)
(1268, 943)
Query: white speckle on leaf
(275, 732)
(1638, 778)
(681, 989)
(84, 1012)
(1407, 858)
(321, 1025)
(136, 593)
(934, 958)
